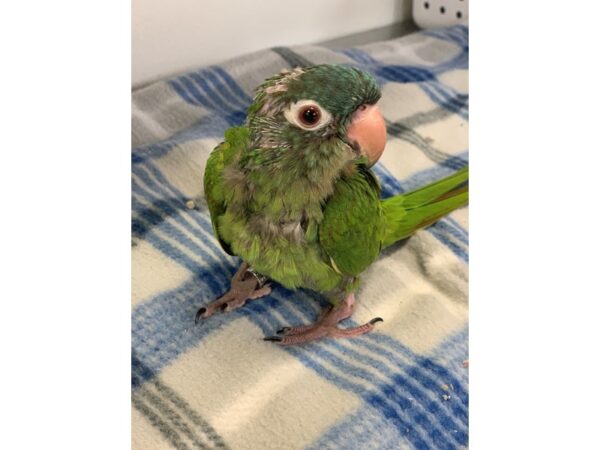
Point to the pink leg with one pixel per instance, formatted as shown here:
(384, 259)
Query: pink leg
(244, 286)
(325, 327)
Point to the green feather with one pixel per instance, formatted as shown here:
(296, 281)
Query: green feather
(409, 212)
(353, 223)
(225, 154)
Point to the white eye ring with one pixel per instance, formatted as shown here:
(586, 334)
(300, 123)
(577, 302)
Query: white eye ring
(292, 114)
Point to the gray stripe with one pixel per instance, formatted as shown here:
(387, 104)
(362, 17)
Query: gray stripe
(423, 118)
(291, 57)
(401, 131)
(164, 428)
(184, 409)
(176, 400)
(171, 415)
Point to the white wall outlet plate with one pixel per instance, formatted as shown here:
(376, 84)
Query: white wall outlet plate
(440, 13)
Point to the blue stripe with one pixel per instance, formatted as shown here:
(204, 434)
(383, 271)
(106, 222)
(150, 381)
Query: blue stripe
(427, 380)
(160, 198)
(163, 328)
(456, 249)
(389, 184)
(459, 227)
(435, 407)
(196, 268)
(453, 351)
(215, 104)
(367, 428)
(231, 87)
(396, 353)
(183, 93)
(360, 56)
(202, 225)
(370, 422)
(404, 74)
(440, 94)
(425, 72)
(396, 411)
(201, 99)
(458, 34)
(212, 125)
(156, 222)
(460, 61)
(173, 315)
(217, 85)
(208, 126)
(235, 87)
(187, 87)
(437, 156)
(388, 346)
(424, 76)
(140, 154)
(166, 191)
(430, 174)
(455, 345)
(452, 230)
(215, 97)
(139, 371)
(456, 104)
(163, 315)
(449, 95)
(454, 36)
(349, 367)
(395, 361)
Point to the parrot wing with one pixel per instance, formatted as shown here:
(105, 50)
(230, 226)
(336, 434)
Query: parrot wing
(223, 155)
(352, 228)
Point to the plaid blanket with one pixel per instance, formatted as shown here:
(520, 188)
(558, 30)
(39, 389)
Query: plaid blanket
(218, 384)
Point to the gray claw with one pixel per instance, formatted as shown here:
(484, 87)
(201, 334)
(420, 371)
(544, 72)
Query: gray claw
(199, 314)
(273, 338)
(375, 320)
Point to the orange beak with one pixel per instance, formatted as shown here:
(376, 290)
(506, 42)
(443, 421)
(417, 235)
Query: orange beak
(367, 132)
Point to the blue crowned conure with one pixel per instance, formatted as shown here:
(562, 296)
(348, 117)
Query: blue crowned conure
(292, 194)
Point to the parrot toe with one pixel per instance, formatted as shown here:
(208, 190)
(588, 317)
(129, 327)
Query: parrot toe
(325, 327)
(245, 285)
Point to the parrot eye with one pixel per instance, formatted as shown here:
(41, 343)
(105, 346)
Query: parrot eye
(308, 115)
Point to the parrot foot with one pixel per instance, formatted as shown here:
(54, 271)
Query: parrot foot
(245, 285)
(325, 327)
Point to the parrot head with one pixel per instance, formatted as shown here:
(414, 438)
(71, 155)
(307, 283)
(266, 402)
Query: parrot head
(319, 107)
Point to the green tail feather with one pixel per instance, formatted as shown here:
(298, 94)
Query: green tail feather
(409, 212)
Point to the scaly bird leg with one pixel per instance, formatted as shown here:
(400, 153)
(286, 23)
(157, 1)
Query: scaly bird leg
(245, 285)
(325, 327)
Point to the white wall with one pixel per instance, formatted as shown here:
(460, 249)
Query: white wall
(175, 35)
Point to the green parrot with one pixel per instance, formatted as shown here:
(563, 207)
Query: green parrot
(292, 194)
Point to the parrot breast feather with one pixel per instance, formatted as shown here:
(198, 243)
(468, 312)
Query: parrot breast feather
(352, 228)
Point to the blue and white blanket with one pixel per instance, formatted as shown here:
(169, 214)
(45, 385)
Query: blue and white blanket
(218, 384)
